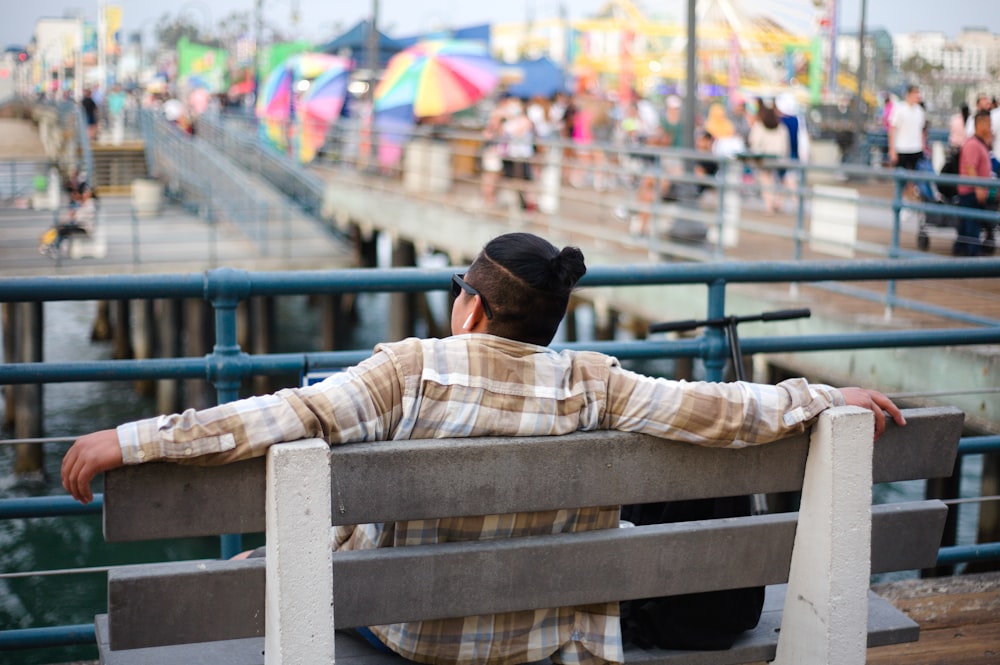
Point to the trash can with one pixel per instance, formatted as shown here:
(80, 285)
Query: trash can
(147, 197)
(427, 166)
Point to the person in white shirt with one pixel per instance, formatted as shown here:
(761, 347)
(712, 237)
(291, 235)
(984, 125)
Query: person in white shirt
(906, 130)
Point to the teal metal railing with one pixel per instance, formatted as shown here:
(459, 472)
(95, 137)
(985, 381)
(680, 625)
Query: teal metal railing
(227, 365)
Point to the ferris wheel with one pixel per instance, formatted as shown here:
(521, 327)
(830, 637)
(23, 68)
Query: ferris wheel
(754, 37)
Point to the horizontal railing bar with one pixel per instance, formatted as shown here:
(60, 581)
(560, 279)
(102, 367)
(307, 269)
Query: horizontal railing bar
(971, 499)
(48, 506)
(976, 445)
(57, 572)
(968, 553)
(49, 636)
(37, 289)
(906, 303)
(247, 365)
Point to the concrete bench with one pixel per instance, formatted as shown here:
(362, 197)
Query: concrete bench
(284, 608)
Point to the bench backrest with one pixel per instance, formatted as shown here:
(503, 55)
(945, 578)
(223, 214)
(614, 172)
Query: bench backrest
(417, 479)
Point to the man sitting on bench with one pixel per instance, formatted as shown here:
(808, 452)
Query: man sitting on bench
(494, 376)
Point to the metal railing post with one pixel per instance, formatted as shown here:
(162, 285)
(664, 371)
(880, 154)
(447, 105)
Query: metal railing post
(714, 353)
(722, 178)
(800, 212)
(225, 288)
(897, 207)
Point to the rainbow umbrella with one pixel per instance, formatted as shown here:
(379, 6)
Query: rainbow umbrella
(320, 107)
(437, 77)
(275, 99)
(278, 105)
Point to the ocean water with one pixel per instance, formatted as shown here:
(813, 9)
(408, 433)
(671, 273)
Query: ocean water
(73, 409)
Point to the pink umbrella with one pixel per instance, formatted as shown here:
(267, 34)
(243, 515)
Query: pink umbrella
(320, 107)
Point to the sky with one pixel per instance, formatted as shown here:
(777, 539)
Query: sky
(321, 20)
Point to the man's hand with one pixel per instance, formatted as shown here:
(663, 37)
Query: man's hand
(89, 455)
(875, 402)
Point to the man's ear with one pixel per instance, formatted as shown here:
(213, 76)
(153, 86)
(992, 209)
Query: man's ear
(477, 317)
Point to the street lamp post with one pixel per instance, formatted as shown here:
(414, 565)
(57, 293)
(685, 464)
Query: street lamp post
(691, 98)
(373, 52)
(859, 116)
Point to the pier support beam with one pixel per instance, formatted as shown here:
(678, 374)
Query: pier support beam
(101, 331)
(335, 320)
(198, 325)
(28, 406)
(143, 341)
(8, 316)
(402, 306)
(168, 333)
(989, 512)
(261, 336)
(121, 336)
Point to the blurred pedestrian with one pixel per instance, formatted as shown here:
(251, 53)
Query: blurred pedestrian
(974, 161)
(116, 114)
(769, 139)
(90, 113)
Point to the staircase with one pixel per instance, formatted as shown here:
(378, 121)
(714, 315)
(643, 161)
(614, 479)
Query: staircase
(116, 166)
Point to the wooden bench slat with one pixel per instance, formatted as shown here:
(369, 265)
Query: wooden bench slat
(495, 576)
(886, 625)
(448, 477)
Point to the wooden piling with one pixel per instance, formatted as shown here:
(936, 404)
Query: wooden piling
(121, 335)
(168, 334)
(143, 341)
(402, 306)
(196, 342)
(989, 511)
(101, 330)
(28, 406)
(8, 317)
(261, 338)
(335, 320)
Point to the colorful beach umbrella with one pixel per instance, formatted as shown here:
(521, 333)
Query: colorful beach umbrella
(320, 107)
(280, 106)
(275, 99)
(437, 77)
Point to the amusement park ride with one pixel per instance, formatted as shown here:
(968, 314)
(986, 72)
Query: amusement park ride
(761, 48)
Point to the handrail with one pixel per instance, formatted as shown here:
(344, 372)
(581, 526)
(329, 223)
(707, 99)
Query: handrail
(614, 167)
(226, 365)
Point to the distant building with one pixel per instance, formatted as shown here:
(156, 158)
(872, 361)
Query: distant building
(56, 55)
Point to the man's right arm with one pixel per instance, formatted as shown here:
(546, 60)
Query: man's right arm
(90, 455)
(355, 405)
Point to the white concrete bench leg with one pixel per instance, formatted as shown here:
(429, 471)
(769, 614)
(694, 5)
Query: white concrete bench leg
(826, 607)
(298, 612)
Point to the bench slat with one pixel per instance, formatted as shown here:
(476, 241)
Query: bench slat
(450, 477)
(479, 577)
(886, 625)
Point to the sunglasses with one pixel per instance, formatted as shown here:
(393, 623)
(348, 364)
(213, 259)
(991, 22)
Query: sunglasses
(458, 284)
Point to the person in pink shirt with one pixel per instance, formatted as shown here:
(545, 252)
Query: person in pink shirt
(974, 160)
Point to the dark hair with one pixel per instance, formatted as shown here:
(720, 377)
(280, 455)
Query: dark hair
(965, 112)
(982, 116)
(768, 116)
(527, 282)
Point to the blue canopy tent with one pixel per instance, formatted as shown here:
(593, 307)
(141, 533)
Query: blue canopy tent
(354, 44)
(478, 33)
(538, 78)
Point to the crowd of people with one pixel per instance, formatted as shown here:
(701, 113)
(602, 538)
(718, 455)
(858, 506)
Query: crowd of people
(974, 150)
(606, 143)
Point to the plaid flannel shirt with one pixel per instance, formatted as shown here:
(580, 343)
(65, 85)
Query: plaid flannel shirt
(481, 385)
